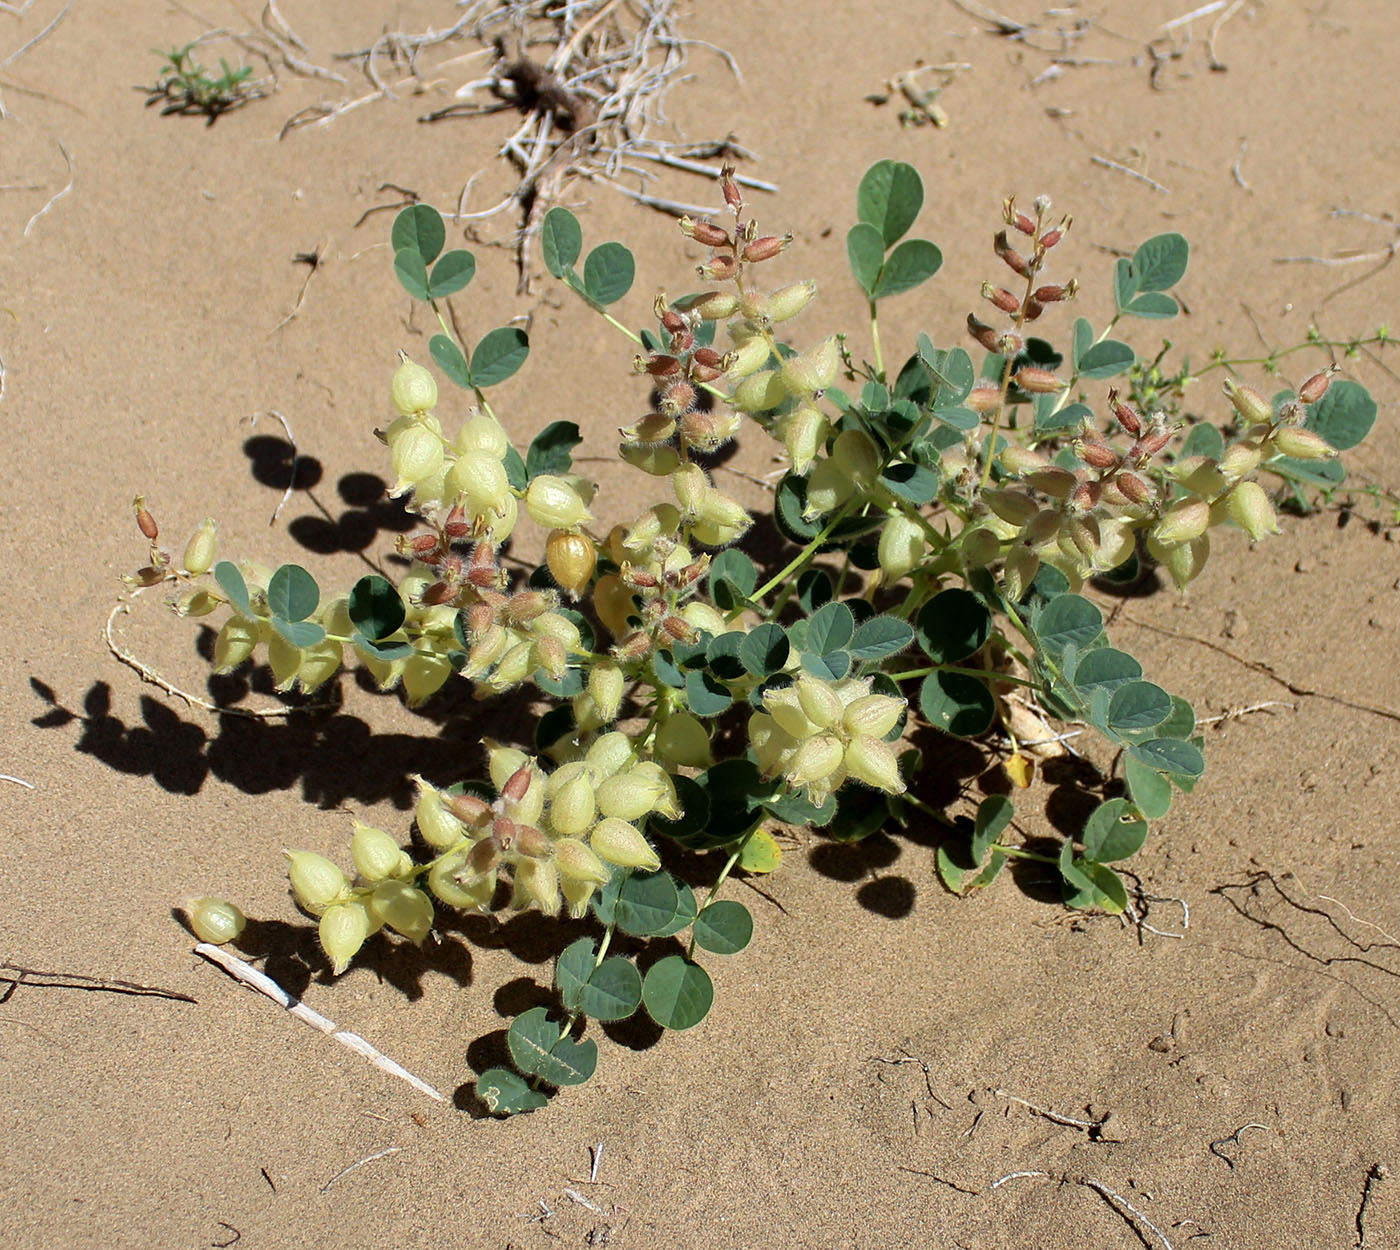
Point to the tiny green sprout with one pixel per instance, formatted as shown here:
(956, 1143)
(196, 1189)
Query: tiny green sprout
(685, 692)
(183, 86)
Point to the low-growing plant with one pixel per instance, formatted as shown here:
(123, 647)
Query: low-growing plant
(184, 86)
(700, 699)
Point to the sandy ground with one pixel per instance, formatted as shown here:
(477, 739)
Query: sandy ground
(864, 1076)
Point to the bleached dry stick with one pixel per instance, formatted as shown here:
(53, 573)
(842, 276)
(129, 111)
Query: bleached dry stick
(245, 972)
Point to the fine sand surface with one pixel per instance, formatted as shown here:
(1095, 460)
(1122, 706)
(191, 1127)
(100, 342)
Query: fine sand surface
(883, 1051)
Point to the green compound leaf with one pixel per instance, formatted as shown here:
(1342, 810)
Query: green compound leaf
(1152, 306)
(552, 449)
(1105, 667)
(723, 928)
(1343, 416)
(913, 483)
(913, 262)
(889, 199)
(1138, 705)
(538, 1050)
(420, 230)
(1070, 417)
(705, 695)
(733, 578)
(953, 625)
(686, 908)
(952, 371)
(1203, 440)
(412, 273)
(379, 649)
(865, 250)
(765, 650)
(572, 970)
(451, 274)
(1171, 755)
(232, 584)
(561, 241)
(608, 273)
(508, 1093)
(1106, 359)
(994, 813)
(1160, 263)
(830, 628)
(450, 360)
(292, 593)
(677, 993)
(1067, 621)
(299, 633)
(957, 704)
(647, 903)
(1113, 831)
(499, 355)
(880, 636)
(1151, 791)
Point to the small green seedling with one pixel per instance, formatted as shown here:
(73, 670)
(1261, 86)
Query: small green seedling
(183, 86)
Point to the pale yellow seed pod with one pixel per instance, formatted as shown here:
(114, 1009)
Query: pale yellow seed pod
(316, 882)
(828, 487)
(536, 884)
(215, 920)
(319, 663)
(1302, 444)
(750, 357)
(770, 743)
(979, 547)
(416, 452)
(683, 740)
(631, 794)
(343, 931)
(237, 640)
(377, 855)
(1184, 561)
(712, 534)
(440, 828)
(814, 370)
(484, 434)
(1117, 541)
(804, 432)
(414, 389)
(900, 549)
(606, 683)
(818, 701)
(1240, 459)
(556, 503)
(667, 804)
(787, 301)
(424, 674)
(575, 861)
(872, 715)
(1013, 506)
(1183, 522)
(785, 708)
(691, 487)
(472, 893)
(197, 603)
(705, 617)
(759, 392)
(404, 908)
(1249, 403)
(201, 549)
(1022, 564)
(514, 666)
(1252, 510)
(816, 760)
(874, 762)
(479, 479)
(1200, 475)
(613, 601)
(856, 453)
(609, 754)
(1052, 480)
(573, 809)
(621, 843)
(577, 895)
(502, 763)
(658, 459)
(284, 659)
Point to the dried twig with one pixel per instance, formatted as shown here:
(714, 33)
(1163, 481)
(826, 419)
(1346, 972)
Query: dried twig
(1235, 168)
(1378, 1173)
(12, 976)
(1132, 173)
(39, 38)
(250, 976)
(19, 781)
(1094, 1128)
(1232, 1140)
(296, 453)
(359, 1163)
(68, 160)
(1114, 1199)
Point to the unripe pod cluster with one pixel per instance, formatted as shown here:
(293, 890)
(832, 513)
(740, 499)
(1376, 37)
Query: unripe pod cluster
(818, 734)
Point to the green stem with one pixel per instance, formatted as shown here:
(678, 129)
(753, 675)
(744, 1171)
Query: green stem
(875, 342)
(958, 668)
(719, 883)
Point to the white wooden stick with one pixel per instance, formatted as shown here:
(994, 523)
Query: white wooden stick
(250, 976)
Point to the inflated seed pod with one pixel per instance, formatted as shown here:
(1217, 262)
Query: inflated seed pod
(319, 663)
(814, 370)
(900, 549)
(343, 930)
(377, 855)
(577, 895)
(683, 740)
(214, 920)
(485, 434)
(818, 701)
(453, 881)
(502, 764)
(316, 882)
(630, 795)
(424, 674)
(416, 452)
(201, 549)
(571, 558)
(614, 602)
(816, 760)
(404, 908)
(236, 641)
(575, 861)
(828, 487)
(573, 808)
(874, 762)
(479, 479)
(872, 715)
(413, 389)
(535, 884)
(620, 842)
(606, 683)
(759, 392)
(771, 744)
(786, 709)
(440, 828)
(556, 503)
(609, 754)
